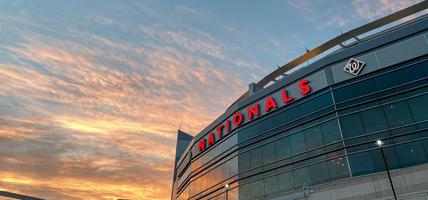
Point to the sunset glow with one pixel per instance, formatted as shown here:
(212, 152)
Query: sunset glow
(92, 93)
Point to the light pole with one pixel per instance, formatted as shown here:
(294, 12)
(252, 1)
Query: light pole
(227, 191)
(380, 144)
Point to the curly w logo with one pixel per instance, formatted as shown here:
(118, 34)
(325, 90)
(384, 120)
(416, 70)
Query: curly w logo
(354, 66)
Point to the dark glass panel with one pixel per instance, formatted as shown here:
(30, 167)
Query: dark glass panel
(297, 143)
(343, 94)
(361, 163)
(286, 182)
(301, 176)
(282, 148)
(411, 154)
(398, 114)
(338, 168)
(386, 81)
(419, 107)
(424, 66)
(255, 158)
(364, 87)
(313, 137)
(391, 157)
(330, 131)
(319, 173)
(374, 120)
(292, 114)
(316, 103)
(425, 144)
(308, 107)
(269, 154)
(257, 189)
(351, 125)
(254, 130)
(271, 185)
(418, 91)
(243, 134)
(245, 192)
(402, 130)
(378, 163)
(244, 161)
(410, 74)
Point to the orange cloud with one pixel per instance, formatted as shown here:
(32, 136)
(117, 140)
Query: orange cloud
(74, 125)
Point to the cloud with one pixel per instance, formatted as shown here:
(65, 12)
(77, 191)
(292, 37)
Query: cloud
(324, 13)
(86, 115)
(371, 10)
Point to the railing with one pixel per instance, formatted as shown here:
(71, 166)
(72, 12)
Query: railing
(352, 34)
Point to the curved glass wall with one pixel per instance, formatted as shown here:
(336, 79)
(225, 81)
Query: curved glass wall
(326, 136)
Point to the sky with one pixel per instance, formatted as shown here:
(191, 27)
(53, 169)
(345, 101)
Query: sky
(92, 92)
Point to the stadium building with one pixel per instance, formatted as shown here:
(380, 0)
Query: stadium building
(351, 125)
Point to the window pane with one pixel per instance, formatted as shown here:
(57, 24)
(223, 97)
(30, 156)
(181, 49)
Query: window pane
(351, 125)
(269, 154)
(338, 168)
(424, 67)
(343, 94)
(419, 107)
(308, 107)
(364, 87)
(245, 192)
(411, 154)
(292, 114)
(391, 157)
(244, 161)
(316, 104)
(297, 143)
(361, 163)
(255, 158)
(319, 173)
(301, 176)
(378, 163)
(257, 189)
(313, 137)
(282, 148)
(330, 132)
(374, 120)
(323, 101)
(398, 114)
(410, 73)
(271, 185)
(286, 182)
(386, 81)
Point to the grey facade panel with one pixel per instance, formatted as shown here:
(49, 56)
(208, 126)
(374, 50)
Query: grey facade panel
(402, 51)
(371, 64)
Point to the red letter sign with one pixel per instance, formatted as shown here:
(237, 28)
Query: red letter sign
(219, 132)
(238, 118)
(285, 97)
(270, 103)
(201, 145)
(253, 111)
(304, 86)
(227, 126)
(211, 139)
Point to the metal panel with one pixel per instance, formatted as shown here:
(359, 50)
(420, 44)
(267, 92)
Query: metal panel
(402, 51)
(371, 65)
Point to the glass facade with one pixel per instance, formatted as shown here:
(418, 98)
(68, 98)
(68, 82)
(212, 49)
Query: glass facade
(326, 136)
